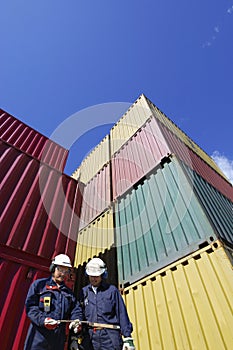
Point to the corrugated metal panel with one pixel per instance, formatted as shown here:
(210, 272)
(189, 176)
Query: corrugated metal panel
(187, 306)
(141, 153)
(162, 220)
(16, 277)
(20, 135)
(109, 257)
(197, 163)
(184, 138)
(129, 123)
(40, 207)
(93, 162)
(218, 208)
(77, 174)
(17, 271)
(96, 196)
(95, 238)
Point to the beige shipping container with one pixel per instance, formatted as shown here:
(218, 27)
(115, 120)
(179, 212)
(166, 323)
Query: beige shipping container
(187, 305)
(93, 162)
(129, 123)
(95, 238)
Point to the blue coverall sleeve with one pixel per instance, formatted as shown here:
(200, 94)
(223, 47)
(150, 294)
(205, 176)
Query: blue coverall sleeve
(77, 312)
(125, 324)
(32, 309)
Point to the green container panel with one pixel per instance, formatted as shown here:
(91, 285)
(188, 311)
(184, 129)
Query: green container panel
(217, 207)
(160, 221)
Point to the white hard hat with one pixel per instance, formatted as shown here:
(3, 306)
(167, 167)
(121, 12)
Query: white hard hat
(95, 267)
(62, 260)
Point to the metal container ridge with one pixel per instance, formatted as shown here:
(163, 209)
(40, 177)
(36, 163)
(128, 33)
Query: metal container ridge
(187, 305)
(30, 141)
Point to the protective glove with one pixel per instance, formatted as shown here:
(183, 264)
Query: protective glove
(74, 345)
(50, 323)
(76, 325)
(128, 344)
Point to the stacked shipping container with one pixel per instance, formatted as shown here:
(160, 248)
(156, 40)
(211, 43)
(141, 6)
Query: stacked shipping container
(155, 207)
(96, 234)
(186, 305)
(40, 209)
(169, 200)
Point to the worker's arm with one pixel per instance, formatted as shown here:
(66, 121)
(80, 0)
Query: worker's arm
(33, 311)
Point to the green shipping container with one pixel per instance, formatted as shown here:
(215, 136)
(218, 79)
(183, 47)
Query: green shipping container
(165, 218)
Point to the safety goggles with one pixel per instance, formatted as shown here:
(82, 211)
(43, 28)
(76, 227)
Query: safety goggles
(63, 270)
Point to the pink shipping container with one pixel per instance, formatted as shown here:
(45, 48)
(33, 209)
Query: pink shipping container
(31, 141)
(96, 196)
(147, 148)
(143, 151)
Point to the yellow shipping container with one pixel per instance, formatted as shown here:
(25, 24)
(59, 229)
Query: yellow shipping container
(93, 162)
(129, 123)
(95, 238)
(187, 305)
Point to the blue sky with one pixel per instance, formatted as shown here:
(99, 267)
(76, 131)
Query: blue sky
(61, 57)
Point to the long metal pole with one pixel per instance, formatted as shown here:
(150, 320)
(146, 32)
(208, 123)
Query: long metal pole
(93, 324)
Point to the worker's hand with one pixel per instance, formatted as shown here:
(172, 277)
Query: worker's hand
(50, 323)
(76, 325)
(74, 345)
(128, 344)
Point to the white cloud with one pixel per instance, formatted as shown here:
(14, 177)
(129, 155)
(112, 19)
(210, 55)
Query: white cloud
(230, 10)
(225, 164)
(216, 29)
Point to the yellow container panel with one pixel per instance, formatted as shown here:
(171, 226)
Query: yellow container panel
(129, 123)
(76, 173)
(95, 238)
(184, 138)
(93, 162)
(187, 305)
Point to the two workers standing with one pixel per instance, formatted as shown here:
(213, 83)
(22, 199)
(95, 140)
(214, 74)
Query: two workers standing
(49, 301)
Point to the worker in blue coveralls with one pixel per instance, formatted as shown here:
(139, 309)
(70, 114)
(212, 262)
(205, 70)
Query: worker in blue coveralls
(48, 301)
(102, 303)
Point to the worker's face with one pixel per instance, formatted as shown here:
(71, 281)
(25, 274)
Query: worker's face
(95, 280)
(60, 273)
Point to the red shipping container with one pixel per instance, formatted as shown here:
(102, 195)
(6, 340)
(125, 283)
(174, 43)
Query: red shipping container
(30, 141)
(196, 163)
(40, 206)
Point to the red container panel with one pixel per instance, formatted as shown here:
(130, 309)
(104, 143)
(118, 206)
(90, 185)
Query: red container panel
(16, 275)
(40, 206)
(144, 150)
(96, 196)
(196, 163)
(20, 135)
(17, 271)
